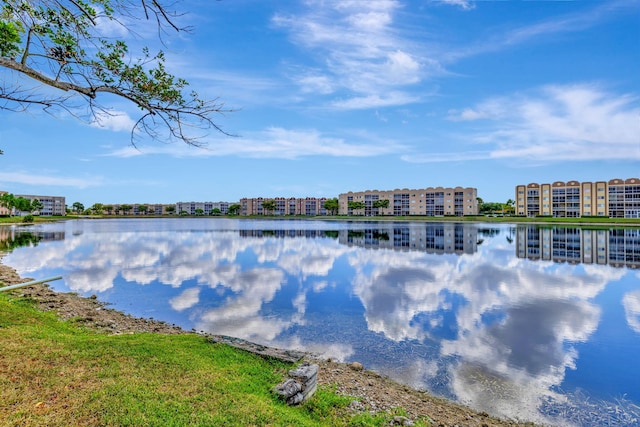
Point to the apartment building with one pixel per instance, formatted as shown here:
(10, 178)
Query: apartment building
(205, 207)
(430, 201)
(615, 198)
(51, 205)
(308, 206)
(148, 209)
(134, 209)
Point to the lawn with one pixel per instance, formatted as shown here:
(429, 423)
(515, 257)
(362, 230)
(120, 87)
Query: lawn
(55, 373)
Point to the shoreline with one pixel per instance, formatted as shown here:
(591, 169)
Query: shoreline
(508, 220)
(376, 392)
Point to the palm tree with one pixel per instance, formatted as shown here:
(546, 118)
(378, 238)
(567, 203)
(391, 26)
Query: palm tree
(511, 205)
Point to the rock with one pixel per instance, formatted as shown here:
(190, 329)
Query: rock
(288, 388)
(290, 356)
(356, 405)
(305, 372)
(401, 421)
(295, 399)
(301, 386)
(356, 366)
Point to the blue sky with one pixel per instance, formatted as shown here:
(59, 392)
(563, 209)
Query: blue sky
(332, 96)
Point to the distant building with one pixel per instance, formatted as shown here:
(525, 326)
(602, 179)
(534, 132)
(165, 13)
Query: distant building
(308, 206)
(51, 205)
(616, 198)
(206, 207)
(430, 201)
(134, 209)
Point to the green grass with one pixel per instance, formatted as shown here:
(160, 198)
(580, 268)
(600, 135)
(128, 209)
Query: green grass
(54, 373)
(19, 219)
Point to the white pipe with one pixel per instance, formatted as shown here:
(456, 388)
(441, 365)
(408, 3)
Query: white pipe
(33, 282)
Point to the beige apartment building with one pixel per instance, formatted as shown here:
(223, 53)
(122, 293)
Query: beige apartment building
(206, 207)
(51, 206)
(308, 206)
(430, 201)
(134, 209)
(616, 198)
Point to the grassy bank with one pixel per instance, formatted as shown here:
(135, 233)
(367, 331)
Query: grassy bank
(55, 373)
(36, 219)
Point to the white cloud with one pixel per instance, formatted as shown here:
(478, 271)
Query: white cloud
(317, 84)
(463, 4)
(274, 142)
(117, 121)
(491, 108)
(49, 180)
(554, 123)
(446, 157)
(374, 101)
(360, 51)
(631, 303)
(186, 299)
(113, 28)
(566, 23)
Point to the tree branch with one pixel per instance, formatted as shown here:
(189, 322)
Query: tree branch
(48, 41)
(27, 71)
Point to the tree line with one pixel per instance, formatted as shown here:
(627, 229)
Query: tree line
(100, 208)
(332, 205)
(19, 204)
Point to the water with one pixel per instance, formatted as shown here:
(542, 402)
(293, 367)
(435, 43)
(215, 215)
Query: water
(540, 324)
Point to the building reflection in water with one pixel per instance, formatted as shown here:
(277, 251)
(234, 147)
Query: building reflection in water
(12, 237)
(574, 245)
(443, 238)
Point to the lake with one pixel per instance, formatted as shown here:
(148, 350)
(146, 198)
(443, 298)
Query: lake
(520, 321)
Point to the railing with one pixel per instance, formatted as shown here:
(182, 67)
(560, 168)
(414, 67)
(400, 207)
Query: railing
(33, 282)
